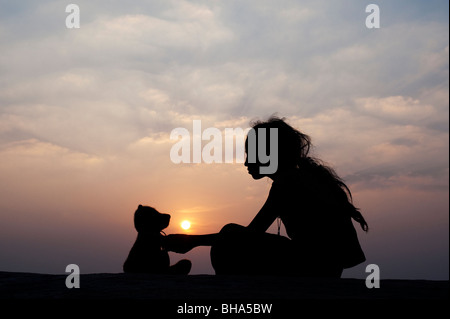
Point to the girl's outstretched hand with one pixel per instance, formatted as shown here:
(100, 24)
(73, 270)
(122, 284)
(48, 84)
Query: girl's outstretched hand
(178, 243)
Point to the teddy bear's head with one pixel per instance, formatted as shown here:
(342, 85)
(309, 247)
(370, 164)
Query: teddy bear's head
(147, 219)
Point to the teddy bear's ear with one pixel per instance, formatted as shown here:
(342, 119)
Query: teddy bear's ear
(140, 206)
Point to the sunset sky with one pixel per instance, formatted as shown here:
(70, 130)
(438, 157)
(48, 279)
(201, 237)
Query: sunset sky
(86, 116)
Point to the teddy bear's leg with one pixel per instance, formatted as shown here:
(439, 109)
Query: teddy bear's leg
(183, 267)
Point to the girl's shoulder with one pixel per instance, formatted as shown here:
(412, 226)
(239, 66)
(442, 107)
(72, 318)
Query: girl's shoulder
(294, 182)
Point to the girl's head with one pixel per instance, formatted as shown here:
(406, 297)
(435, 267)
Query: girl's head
(292, 146)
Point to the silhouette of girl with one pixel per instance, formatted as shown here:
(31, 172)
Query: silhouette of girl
(313, 203)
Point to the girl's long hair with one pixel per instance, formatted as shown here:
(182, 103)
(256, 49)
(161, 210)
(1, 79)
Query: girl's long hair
(293, 151)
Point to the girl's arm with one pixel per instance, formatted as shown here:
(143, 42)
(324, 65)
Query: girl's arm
(182, 243)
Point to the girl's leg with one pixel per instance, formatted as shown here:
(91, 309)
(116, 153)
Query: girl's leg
(237, 250)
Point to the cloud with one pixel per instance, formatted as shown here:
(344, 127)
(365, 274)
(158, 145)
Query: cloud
(50, 160)
(128, 77)
(397, 108)
(386, 140)
(194, 59)
(140, 35)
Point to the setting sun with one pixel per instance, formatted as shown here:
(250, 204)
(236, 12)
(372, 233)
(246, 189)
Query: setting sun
(185, 224)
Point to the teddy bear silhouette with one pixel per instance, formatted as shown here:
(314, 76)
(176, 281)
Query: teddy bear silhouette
(147, 254)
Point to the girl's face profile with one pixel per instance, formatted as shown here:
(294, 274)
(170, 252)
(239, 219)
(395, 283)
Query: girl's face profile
(252, 168)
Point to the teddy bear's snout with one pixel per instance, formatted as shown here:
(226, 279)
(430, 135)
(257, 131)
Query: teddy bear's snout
(165, 220)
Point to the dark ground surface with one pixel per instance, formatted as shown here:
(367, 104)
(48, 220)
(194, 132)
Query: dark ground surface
(141, 286)
(291, 297)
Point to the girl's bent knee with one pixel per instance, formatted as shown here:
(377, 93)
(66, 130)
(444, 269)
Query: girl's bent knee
(231, 228)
